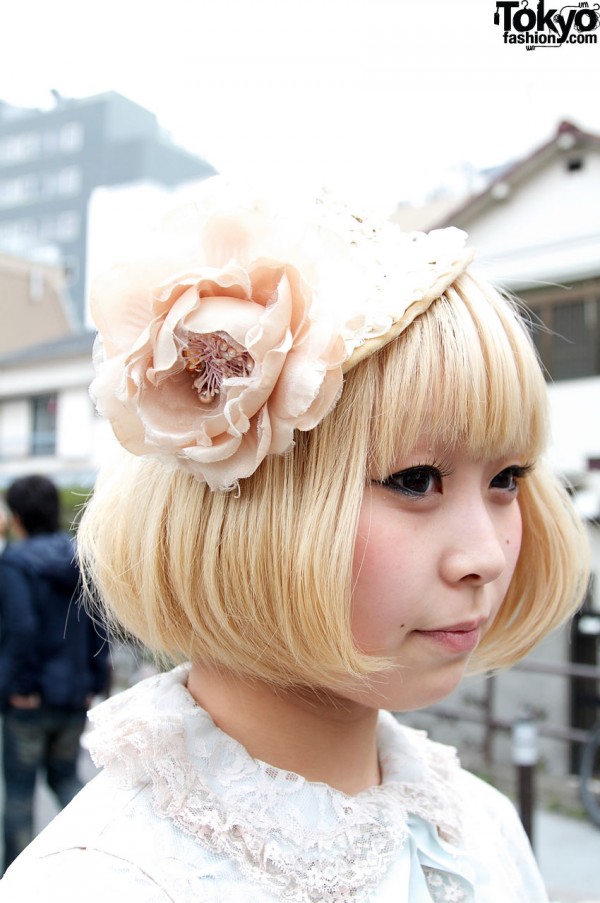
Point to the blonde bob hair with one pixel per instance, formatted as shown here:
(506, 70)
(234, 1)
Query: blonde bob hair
(259, 581)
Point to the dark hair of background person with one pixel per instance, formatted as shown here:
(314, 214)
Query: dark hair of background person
(34, 500)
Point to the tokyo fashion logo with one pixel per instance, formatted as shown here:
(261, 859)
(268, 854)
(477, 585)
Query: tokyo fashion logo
(547, 27)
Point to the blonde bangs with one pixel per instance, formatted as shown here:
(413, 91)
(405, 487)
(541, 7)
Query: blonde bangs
(464, 373)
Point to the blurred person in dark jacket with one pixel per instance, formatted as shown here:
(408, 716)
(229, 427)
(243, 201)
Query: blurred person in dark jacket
(3, 526)
(53, 658)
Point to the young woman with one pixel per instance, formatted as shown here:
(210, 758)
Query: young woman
(333, 503)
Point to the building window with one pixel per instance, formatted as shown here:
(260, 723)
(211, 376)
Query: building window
(568, 336)
(43, 431)
(70, 137)
(17, 236)
(69, 180)
(62, 227)
(51, 142)
(49, 186)
(19, 148)
(575, 342)
(21, 190)
(64, 182)
(67, 225)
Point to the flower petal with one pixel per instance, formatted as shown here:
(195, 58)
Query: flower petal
(234, 330)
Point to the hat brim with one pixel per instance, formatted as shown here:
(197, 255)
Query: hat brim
(414, 310)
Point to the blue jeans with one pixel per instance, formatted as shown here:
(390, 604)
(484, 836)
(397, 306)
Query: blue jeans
(33, 740)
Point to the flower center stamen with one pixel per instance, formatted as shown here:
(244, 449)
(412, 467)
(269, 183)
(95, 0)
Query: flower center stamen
(213, 357)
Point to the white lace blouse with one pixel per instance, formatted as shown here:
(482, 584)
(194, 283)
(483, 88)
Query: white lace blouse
(182, 813)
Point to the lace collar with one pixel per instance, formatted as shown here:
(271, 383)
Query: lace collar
(310, 840)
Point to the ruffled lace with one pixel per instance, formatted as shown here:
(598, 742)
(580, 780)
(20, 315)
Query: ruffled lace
(306, 840)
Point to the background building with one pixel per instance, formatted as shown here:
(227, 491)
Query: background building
(34, 304)
(47, 420)
(52, 160)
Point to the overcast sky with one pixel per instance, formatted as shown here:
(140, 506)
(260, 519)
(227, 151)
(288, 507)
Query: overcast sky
(381, 98)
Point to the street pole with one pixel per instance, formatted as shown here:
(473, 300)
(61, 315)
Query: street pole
(525, 757)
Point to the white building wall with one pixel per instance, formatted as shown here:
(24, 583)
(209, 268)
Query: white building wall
(15, 429)
(74, 426)
(575, 418)
(44, 378)
(104, 445)
(545, 229)
(82, 439)
(529, 215)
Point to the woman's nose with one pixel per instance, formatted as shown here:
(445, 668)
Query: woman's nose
(474, 549)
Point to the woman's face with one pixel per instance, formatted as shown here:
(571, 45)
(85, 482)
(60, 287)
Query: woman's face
(437, 545)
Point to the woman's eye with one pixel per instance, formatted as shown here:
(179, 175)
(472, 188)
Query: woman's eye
(415, 481)
(508, 479)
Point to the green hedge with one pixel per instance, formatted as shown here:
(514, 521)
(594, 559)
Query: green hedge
(72, 500)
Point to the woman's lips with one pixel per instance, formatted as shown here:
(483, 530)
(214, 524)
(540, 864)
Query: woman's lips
(457, 638)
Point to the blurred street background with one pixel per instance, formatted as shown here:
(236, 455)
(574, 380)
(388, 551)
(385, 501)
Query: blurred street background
(433, 114)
